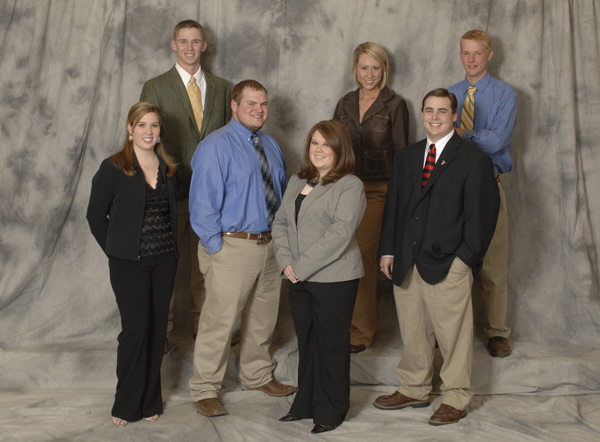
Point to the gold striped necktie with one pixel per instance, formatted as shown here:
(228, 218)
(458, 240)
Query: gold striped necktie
(196, 101)
(467, 116)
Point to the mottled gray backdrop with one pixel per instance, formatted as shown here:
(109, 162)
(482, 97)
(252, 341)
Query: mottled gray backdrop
(70, 70)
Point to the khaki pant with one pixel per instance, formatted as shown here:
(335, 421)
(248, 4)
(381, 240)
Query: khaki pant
(493, 275)
(365, 321)
(442, 311)
(241, 280)
(187, 243)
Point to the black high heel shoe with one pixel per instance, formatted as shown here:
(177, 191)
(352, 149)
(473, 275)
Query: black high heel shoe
(289, 418)
(320, 428)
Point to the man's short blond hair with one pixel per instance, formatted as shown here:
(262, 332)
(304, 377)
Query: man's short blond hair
(478, 35)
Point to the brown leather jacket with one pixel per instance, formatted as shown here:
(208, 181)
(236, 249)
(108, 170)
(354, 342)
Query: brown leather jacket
(383, 130)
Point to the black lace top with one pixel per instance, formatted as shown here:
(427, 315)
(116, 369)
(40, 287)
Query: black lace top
(157, 236)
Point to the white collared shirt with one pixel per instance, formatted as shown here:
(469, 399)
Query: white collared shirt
(200, 80)
(439, 146)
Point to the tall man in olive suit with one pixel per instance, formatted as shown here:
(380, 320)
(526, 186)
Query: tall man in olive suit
(193, 103)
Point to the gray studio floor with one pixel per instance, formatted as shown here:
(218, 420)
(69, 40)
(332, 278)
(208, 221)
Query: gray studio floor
(537, 394)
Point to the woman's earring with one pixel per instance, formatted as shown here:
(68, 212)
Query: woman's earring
(130, 137)
(158, 141)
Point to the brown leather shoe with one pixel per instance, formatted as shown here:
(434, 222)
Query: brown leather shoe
(397, 400)
(357, 348)
(499, 347)
(274, 388)
(446, 414)
(210, 407)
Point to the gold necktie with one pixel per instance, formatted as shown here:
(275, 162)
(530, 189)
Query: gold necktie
(467, 116)
(196, 101)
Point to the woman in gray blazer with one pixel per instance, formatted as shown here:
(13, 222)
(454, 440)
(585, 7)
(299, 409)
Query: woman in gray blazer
(314, 234)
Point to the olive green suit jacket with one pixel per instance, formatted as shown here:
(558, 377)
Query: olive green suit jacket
(180, 135)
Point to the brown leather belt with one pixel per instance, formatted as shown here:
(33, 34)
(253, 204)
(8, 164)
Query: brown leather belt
(260, 238)
(498, 178)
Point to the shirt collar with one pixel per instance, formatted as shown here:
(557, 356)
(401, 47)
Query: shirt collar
(481, 84)
(439, 144)
(185, 75)
(241, 129)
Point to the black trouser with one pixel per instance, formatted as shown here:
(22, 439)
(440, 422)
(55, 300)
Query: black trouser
(322, 313)
(143, 290)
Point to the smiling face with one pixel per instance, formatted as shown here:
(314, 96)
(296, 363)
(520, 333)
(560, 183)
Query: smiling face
(252, 110)
(475, 57)
(189, 45)
(368, 72)
(321, 155)
(438, 117)
(145, 133)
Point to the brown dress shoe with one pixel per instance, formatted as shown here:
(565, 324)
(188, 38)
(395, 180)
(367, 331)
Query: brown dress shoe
(499, 347)
(210, 407)
(357, 348)
(397, 400)
(275, 389)
(446, 414)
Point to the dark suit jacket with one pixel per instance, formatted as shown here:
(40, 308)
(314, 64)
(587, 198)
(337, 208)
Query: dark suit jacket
(181, 135)
(322, 246)
(117, 206)
(454, 215)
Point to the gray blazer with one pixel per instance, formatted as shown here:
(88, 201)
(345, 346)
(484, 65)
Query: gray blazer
(322, 247)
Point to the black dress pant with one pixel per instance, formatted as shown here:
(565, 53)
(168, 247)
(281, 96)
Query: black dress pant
(322, 313)
(142, 290)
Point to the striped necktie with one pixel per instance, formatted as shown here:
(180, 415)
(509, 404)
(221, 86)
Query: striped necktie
(429, 165)
(269, 188)
(467, 116)
(196, 101)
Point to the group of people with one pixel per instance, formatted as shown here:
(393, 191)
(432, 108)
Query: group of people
(197, 172)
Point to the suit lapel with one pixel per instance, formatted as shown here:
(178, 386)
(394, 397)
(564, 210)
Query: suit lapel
(180, 92)
(417, 167)
(352, 110)
(311, 197)
(448, 154)
(208, 100)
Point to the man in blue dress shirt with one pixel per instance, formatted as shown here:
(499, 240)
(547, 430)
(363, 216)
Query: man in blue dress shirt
(487, 110)
(238, 180)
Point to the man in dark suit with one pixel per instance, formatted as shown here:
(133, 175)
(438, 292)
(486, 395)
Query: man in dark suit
(439, 219)
(193, 103)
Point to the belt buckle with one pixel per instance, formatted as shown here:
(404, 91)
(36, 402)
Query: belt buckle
(263, 238)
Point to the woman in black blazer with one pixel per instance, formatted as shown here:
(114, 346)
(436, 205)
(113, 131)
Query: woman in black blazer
(132, 213)
(316, 249)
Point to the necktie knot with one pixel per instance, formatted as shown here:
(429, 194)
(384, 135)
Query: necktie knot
(192, 79)
(471, 90)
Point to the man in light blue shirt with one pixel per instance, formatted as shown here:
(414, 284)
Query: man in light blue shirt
(488, 121)
(238, 181)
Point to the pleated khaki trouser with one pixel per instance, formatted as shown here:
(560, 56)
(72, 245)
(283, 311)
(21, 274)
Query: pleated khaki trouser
(241, 280)
(441, 311)
(494, 274)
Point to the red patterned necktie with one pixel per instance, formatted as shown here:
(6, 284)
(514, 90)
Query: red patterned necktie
(429, 164)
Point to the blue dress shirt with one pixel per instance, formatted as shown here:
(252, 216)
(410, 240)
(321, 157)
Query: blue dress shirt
(226, 191)
(495, 118)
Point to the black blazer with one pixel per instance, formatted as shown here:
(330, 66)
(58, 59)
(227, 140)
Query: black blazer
(116, 208)
(454, 215)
